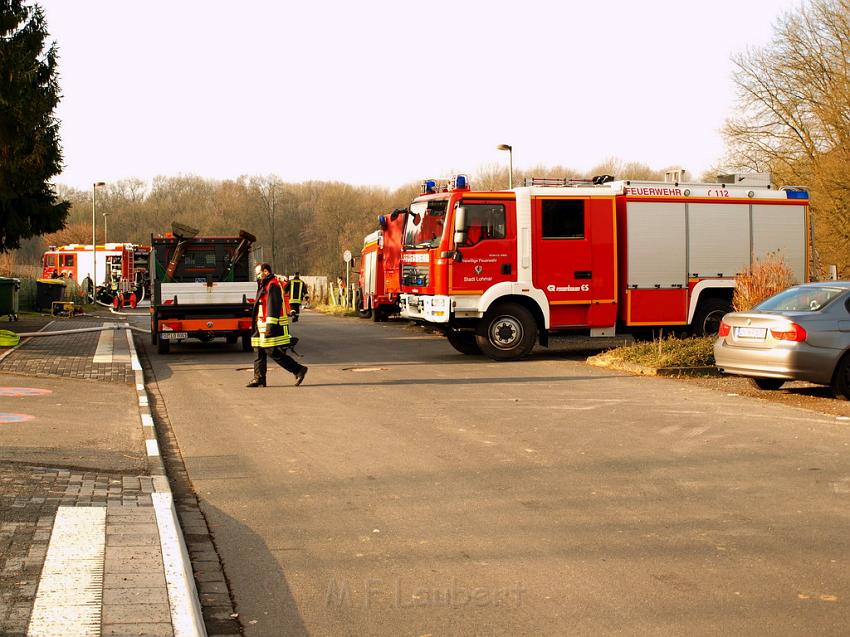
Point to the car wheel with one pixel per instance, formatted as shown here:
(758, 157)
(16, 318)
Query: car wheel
(464, 342)
(768, 384)
(841, 379)
(708, 316)
(507, 332)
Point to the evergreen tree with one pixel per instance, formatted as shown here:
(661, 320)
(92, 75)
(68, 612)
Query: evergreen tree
(30, 152)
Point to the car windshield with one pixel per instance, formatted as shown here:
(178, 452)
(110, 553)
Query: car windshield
(801, 299)
(425, 224)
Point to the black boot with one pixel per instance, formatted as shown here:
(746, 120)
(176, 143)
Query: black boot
(257, 382)
(299, 377)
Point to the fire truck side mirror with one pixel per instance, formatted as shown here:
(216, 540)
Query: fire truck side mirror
(460, 219)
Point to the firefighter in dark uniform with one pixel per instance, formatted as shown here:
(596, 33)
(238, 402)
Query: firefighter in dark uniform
(271, 329)
(296, 289)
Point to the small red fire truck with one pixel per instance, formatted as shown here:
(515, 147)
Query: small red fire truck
(380, 268)
(122, 268)
(499, 271)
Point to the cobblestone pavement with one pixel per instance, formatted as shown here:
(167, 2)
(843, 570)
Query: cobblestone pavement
(29, 499)
(71, 355)
(134, 591)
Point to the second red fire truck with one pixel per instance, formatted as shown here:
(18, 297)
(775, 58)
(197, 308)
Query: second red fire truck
(380, 268)
(499, 271)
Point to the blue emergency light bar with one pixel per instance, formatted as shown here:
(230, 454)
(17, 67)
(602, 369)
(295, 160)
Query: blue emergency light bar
(796, 193)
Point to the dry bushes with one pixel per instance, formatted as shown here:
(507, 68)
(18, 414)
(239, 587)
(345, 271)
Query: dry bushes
(764, 278)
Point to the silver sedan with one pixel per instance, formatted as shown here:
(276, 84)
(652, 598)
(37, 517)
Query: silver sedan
(802, 333)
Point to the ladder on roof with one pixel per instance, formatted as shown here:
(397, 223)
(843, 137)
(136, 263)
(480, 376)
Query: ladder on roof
(562, 182)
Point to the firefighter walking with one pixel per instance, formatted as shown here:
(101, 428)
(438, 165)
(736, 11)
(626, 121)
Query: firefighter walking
(271, 329)
(296, 289)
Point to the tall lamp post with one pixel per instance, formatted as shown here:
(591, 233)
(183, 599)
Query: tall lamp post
(94, 188)
(510, 150)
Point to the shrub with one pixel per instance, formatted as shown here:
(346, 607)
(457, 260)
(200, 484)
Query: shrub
(764, 278)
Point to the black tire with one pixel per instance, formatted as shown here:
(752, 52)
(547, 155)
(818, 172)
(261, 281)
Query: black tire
(379, 314)
(231, 339)
(364, 314)
(507, 332)
(841, 379)
(768, 384)
(163, 346)
(708, 316)
(246, 343)
(464, 342)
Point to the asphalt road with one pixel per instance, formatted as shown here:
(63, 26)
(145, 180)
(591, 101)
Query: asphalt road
(405, 489)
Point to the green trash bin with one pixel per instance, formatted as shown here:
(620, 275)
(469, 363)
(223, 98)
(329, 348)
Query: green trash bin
(47, 291)
(9, 289)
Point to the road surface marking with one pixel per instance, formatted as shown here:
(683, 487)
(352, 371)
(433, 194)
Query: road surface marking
(70, 590)
(103, 353)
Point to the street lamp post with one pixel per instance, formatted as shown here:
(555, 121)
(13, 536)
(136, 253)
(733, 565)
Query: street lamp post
(94, 188)
(510, 150)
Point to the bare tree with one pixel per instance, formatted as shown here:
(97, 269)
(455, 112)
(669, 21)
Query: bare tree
(794, 105)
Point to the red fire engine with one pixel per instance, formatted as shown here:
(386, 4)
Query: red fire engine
(122, 268)
(380, 268)
(500, 271)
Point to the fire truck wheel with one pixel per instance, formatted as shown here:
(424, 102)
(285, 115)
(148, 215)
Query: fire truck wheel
(508, 332)
(708, 316)
(163, 346)
(367, 313)
(379, 314)
(464, 342)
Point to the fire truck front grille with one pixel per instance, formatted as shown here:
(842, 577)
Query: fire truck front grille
(414, 275)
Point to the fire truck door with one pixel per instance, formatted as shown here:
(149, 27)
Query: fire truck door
(489, 249)
(574, 260)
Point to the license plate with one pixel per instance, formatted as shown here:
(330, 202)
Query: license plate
(173, 336)
(751, 332)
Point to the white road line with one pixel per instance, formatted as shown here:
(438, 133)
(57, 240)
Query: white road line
(147, 420)
(152, 447)
(70, 590)
(182, 596)
(103, 353)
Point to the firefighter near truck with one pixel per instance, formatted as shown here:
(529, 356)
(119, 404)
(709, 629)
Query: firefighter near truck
(203, 288)
(500, 271)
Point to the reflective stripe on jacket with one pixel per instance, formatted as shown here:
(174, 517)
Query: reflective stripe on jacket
(296, 291)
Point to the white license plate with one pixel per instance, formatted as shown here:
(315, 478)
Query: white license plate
(173, 336)
(751, 332)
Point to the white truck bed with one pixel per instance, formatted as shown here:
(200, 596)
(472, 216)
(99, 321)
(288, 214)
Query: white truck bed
(221, 293)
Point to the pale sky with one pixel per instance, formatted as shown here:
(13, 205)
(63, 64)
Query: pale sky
(389, 92)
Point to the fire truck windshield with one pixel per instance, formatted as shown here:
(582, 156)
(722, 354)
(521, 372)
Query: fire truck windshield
(425, 223)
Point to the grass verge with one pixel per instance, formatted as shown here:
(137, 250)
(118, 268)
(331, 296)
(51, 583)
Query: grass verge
(663, 353)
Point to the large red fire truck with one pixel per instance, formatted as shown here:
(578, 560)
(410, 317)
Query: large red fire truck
(499, 271)
(380, 268)
(122, 268)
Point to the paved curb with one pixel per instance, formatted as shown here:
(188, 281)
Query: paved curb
(186, 617)
(641, 370)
